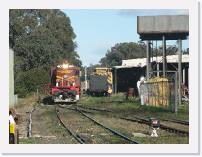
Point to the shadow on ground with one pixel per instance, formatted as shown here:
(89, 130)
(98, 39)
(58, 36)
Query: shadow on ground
(47, 100)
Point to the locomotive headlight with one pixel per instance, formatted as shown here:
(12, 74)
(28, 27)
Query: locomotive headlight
(65, 66)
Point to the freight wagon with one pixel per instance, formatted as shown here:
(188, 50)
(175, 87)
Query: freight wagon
(101, 82)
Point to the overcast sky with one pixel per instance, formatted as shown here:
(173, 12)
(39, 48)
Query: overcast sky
(98, 30)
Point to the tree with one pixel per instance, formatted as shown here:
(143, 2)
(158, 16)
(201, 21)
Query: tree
(131, 50)
(29, 81)
(41, 38)
(121, 51)
(186, 51)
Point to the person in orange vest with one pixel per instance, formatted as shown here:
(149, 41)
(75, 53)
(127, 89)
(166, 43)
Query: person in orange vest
(11, 129)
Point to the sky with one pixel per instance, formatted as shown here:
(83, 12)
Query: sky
(98, 30)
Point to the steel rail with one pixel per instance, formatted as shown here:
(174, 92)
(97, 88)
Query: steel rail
(107, 128)
(176, 121)
(146, 121)
(76, 136)
(105, 110)
(164, 127)
(73, 108)
(95, 109)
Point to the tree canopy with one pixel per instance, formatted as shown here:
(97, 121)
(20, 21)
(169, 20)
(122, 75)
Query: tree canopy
(41, 38)
(121, 51)
(132, 50)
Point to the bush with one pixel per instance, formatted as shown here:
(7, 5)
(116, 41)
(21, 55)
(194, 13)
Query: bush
(29, 81)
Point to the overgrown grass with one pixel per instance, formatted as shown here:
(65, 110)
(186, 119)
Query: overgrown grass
(120, 105)
(116, 140)
(52, 122)
(28, 140)
(163, 140)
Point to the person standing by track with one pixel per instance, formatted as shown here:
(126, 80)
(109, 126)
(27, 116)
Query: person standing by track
(12, 126)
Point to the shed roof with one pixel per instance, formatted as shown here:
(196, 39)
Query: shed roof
(141, 62)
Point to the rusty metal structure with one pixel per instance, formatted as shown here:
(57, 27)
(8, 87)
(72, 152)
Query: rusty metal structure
(162, 28)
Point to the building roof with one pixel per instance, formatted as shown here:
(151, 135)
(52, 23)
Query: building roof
(141, 62)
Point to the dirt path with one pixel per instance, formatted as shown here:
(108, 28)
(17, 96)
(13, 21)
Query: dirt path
(45, 127)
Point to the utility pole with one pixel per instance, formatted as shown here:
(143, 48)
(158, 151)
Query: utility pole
(179, 43)
(148, 59)
(176, 93)
(164, 56)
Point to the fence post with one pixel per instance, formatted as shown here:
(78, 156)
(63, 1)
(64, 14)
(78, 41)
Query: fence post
(37, 95)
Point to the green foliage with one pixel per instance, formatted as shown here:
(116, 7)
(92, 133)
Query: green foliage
(123, 51)
(36, 50)
(132, 50)
(91, 68)
(40, 38)
(29, 81)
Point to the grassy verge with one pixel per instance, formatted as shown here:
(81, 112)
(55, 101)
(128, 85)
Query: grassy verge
(29, 140)
(163, 140)
(118, 104)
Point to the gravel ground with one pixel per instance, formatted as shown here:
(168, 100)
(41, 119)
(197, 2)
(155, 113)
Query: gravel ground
(129, 128)
(24, 106)
(48, 130)
(88, 130)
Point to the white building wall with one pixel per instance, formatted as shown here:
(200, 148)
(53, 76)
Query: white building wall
(11, 78)
(141, 62)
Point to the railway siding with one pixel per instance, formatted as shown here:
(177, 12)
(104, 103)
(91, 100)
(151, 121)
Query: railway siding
(118, 115)
(94, 130)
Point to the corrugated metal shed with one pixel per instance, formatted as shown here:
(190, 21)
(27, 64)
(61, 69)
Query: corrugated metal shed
(141, 62)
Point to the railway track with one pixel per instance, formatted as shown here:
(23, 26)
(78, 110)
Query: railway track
(111, 130)
(177, 121)
(95, 109)
(144, 120)
(163, 127)
(75, 135)
(83, 113)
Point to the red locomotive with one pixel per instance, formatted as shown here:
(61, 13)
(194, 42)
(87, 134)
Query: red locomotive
(65, 83)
